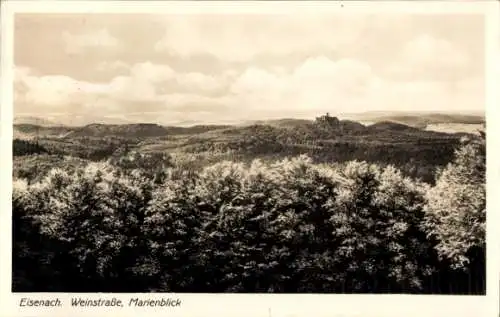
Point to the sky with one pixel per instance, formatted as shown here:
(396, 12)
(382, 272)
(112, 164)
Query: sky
(168, 69)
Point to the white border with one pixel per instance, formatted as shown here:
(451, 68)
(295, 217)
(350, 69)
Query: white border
(264, 305)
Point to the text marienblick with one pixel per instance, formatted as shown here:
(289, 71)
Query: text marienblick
(136, 302)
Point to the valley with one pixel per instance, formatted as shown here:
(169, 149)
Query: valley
(387, 140)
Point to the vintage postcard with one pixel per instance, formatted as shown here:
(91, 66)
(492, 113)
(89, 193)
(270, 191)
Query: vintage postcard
(276, 159)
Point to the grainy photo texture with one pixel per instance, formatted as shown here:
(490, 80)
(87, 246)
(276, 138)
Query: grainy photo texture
(247, 153)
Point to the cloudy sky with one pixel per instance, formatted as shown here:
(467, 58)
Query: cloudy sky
(79, 68)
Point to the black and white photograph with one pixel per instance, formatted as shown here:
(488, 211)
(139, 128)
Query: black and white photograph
(277, 153)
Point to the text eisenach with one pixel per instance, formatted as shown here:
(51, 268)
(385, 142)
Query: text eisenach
(28, 302)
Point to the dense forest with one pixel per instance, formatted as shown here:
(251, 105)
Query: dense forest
(263, 213)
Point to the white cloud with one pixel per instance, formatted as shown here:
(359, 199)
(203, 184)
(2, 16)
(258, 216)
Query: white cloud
(129, 88)
(317, 85)
(426, 49)
(78, 43)
(202, 82)
(153, 73)
(20, 73)
(320, 84)
(161, 76)
(112, 66)
(428, 56)
(235, 38)
(143, 85)
(54, 91)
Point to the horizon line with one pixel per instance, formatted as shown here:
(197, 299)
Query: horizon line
(51, 122)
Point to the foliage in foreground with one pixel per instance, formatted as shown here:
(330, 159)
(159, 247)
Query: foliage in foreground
(456, 210)
(290, 226)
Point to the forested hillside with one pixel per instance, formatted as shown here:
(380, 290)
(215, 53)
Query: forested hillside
(326, 140)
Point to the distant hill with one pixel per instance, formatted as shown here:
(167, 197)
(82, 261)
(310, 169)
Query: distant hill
(293, 135)
(347, 126)
(27, 131)
(33, 128)
(292, 128)
(31, 120)
(415, 119)
(419, 120)
(377, 122)
(326, 139)
(390, 126)
(284, 123)
(173, 130)
(138, 130)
